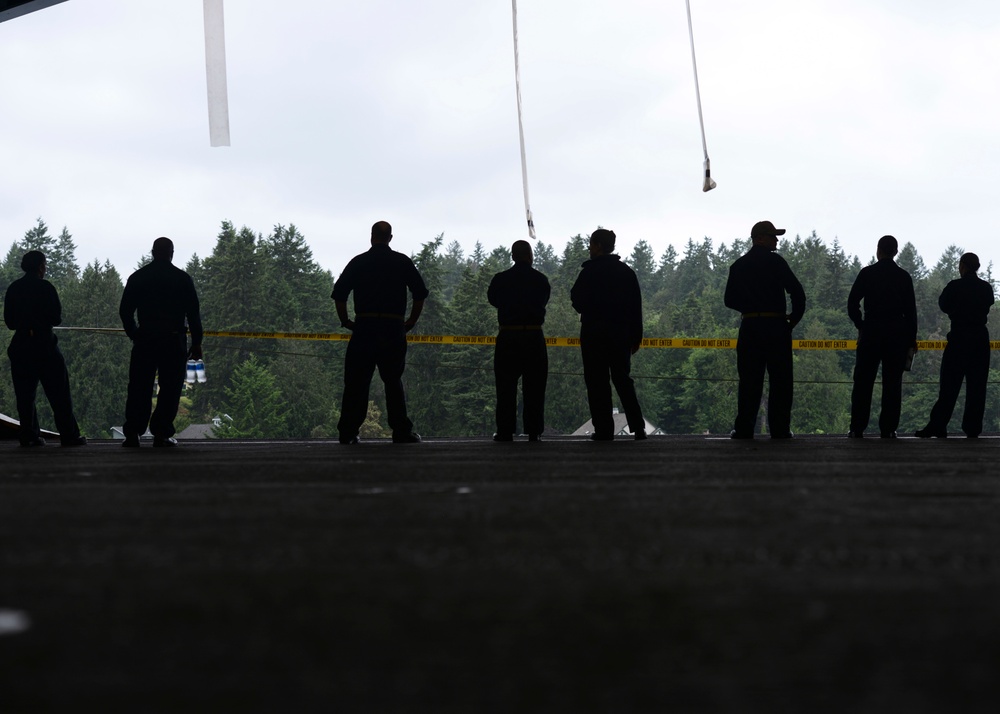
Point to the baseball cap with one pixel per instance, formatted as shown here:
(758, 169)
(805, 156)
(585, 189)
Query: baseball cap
(766, 229)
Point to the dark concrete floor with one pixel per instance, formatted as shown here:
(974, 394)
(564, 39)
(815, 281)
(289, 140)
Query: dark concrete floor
(677, 574)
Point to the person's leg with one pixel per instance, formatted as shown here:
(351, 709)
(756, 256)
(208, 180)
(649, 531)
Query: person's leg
(865, 370)
(391, 361)
(55, 382)
(780, 385)
(359, 366)
(893, 358)
(505, 371)
(621, 368)
(952, 373)
(24, 375)
(750, 365)
(535, 376)
(977, 370)
(141, 377)
(171, 361)
(596, 369)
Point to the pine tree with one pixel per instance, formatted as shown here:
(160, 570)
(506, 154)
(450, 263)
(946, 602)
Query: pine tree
(232, 298)
(253, 405)
(97, 362)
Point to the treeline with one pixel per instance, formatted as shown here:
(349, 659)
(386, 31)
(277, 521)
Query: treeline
(277, 388)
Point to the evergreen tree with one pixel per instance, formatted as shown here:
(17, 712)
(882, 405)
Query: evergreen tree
(61, 266)
(232, 299)
(97, 362)
(424, 364)
(469, 389)
(643, 262)
(311, 390)
(272, 389)
(11, 268)
(298, 289)
(253, 405)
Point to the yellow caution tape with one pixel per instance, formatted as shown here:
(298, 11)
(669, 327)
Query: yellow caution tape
(724, 343)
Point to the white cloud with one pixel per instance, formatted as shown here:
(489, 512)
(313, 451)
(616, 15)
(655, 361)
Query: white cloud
(851, 118)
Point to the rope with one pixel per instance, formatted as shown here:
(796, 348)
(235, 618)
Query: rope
(520, 127)
(709, 183)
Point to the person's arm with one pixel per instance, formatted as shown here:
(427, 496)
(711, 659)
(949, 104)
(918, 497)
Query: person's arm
(731, 298)
(854, 302)
(578, 293)
(126, 310)
(345, 320)
(798, 299)
(194, 324)
(636, 300)
(53, 311)
(8, 310)
(415, 310)
(419, 291)
(988, 297)
(946, 301)
(493, 291)
(911, 311)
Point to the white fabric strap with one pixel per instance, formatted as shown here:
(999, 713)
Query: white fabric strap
(520, 129)
(215, 67)
(709, 183)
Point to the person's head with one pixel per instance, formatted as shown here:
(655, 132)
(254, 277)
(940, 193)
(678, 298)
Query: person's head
(887, 248)
(520, 252)
(33, 262)
(381, 233)
(163, 249)
(968, 263)
(602, 242)
(764, 233)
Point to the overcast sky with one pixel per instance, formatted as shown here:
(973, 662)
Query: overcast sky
(853, 118)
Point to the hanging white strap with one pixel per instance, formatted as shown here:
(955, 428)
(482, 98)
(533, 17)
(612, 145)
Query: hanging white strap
(709, 183)
(215, 67)
(520, 129)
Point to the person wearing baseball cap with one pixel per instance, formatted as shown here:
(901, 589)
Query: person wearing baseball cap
(756, 288)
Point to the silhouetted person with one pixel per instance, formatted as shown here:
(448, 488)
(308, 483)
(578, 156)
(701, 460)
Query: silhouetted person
(31, 308)
(607, 296)
(885, 334)
(756, 288)
(967, 354)
(520, 295)
(379, 280)
(164, 297)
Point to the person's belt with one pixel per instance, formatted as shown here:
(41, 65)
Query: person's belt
(764, 314)
(520, 327)
(43, 331)
(379, 315)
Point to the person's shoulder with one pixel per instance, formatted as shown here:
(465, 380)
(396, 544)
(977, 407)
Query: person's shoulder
(177, 273)
(777, 258)
(613, 262)
(389, 254)
(741, 260)
(904, 274)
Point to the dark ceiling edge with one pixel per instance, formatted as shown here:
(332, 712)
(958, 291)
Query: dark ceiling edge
(9, 9)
